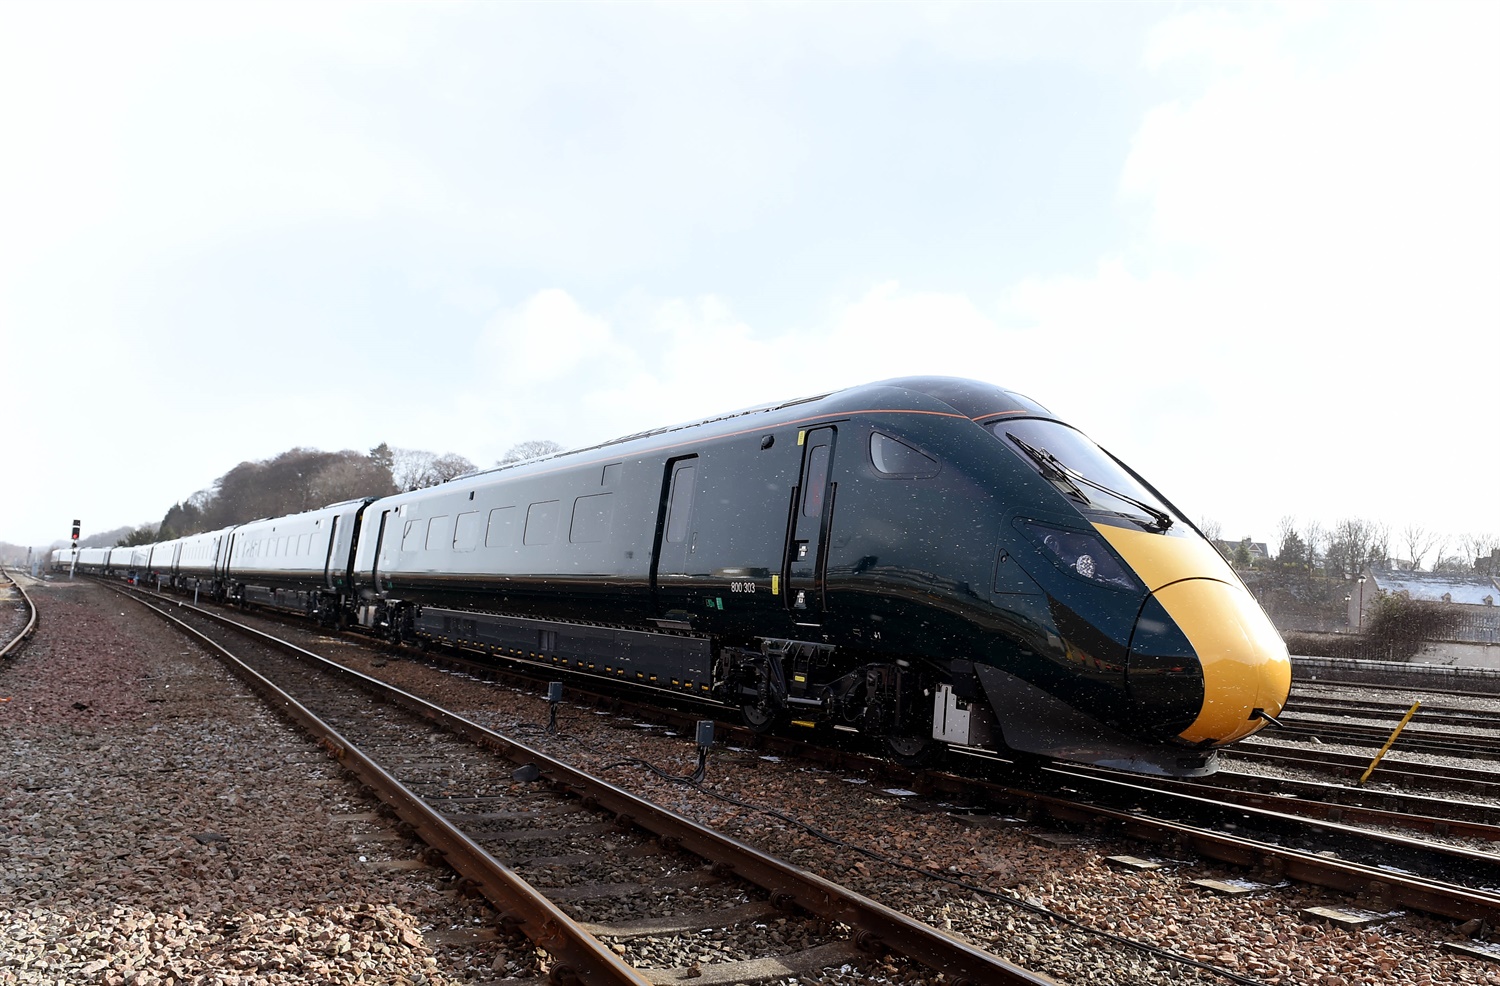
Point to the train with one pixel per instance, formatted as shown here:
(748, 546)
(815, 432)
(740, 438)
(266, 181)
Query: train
(928, 562)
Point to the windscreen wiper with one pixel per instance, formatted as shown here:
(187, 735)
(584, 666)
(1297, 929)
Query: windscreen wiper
(1054, 469)
(1051, 468)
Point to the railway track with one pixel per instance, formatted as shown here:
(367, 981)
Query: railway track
(1350, 766)
(1280, 822)
(1243, 808)
(1428, 715)
(1441, 816)
(1413, 737)
(1304, 832)
(602, 881)
(17, 593)
(1314, 862)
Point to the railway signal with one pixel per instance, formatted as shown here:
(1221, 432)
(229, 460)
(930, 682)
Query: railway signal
(75, 532)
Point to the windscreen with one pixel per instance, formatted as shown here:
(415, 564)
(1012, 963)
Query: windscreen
(1082, 471)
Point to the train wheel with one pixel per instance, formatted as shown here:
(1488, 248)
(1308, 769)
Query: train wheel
(760, 718)
(913, 751)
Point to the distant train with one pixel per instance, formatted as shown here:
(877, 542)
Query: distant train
(926, 561)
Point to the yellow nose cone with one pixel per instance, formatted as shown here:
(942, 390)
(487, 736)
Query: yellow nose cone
(1245, 662)
(1244, 659)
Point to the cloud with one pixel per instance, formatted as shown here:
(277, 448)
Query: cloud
(546, 339)
(1321, 240)
(1310, 168)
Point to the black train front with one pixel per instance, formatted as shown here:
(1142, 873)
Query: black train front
(926, 561)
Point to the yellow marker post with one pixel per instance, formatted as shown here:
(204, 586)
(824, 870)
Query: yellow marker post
(1399, 726)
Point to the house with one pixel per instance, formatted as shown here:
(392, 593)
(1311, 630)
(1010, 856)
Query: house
(1477, 598)
(1256, 549)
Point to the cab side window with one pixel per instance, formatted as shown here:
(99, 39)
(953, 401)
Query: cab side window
(898, 460)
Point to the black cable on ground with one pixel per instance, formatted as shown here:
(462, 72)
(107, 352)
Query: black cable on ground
(951, 879)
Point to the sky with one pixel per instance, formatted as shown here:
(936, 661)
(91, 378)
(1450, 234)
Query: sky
(1251, 249)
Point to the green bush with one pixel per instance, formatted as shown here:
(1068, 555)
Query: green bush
(1400, 625)
(1395, 628)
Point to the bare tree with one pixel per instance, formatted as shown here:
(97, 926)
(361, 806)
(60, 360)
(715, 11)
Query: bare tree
(296, 480)
(414, 469)
(1419, 541)
(1480, 549)
(410, 468)
(1354, 544)
(533, 448)
(1315, 538)
(1453, 565)
(451, 465)
(350, 478)
(1213, 530)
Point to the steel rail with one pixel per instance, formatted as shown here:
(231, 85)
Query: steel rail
(1440, 811)
(1210, 799)
(1352, 765)
(1416, 740)
(876, 926)
(582, 957)
(1427, 895)
(1308, 808)
(30, 626)
(1431, 715)
(1379, 886)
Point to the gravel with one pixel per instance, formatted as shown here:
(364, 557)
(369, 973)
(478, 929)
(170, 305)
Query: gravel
(158, 825)
(110, 815)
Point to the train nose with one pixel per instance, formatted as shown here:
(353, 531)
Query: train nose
(1243, 659)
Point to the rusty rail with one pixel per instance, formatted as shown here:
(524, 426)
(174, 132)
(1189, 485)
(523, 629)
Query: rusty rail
(30, 626)
(875, 926)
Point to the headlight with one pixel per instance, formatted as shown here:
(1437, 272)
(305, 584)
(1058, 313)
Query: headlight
(1083, 555)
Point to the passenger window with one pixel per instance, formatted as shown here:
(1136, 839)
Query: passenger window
(896, 458)
(541, 523)
(466, 531)
(591, 518)
(502, 530)
(439, 533)
(411, 536)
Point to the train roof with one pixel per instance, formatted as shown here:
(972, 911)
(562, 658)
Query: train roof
(970, 398)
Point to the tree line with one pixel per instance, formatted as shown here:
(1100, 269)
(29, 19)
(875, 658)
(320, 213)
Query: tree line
(302, 479)
(1354, 544)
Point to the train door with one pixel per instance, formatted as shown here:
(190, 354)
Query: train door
(676, 539)
(379, 550)
(329, 571)
(803, 568)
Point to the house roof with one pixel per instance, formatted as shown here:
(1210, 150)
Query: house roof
(1433, 586)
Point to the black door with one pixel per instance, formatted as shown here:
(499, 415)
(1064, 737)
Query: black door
(807, 543)
(676, 540)
(380, 538)
(329, 572)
